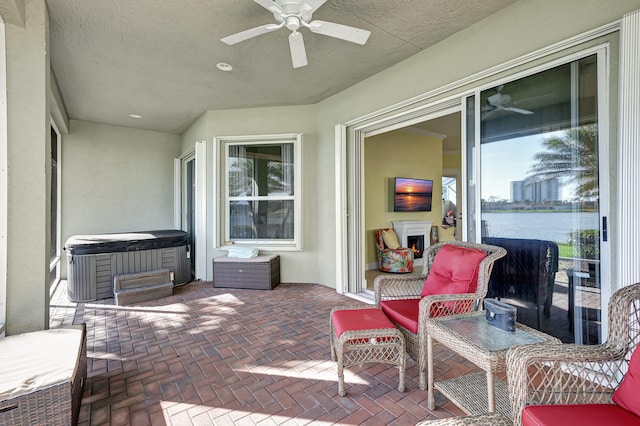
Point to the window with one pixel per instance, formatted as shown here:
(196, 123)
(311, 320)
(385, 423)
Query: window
(262, 197)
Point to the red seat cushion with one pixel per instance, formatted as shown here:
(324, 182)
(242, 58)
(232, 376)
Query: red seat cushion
(627, 393)
(403, 312)
(359, 319)
(454, 271)
(579, 414)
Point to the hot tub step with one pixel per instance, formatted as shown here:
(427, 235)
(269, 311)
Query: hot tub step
(142, 286)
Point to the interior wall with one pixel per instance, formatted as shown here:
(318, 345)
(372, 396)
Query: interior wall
(451, 160)
(397, 154)
(116, 179)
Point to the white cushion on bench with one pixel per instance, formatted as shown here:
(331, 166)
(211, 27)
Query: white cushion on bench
(37, 360)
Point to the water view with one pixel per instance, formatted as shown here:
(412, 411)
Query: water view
(552, 226)
(412, 202)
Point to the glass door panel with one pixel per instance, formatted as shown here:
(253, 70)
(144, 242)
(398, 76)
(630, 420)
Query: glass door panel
(539, 192)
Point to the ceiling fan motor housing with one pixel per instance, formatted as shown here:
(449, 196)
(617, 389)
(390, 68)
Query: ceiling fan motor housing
(290, 6)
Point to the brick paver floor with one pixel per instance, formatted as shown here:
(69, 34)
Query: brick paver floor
(235, 357)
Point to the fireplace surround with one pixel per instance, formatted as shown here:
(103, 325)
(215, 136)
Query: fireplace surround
(413, 228)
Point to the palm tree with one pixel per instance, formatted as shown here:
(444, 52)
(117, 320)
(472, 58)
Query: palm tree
(571, 158)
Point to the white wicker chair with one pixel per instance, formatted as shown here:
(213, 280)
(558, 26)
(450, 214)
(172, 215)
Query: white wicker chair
(571, 374)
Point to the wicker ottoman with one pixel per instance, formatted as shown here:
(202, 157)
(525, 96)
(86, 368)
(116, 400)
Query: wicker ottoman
(362, 334)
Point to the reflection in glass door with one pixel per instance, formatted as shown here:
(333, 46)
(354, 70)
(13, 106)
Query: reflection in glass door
(540, 198)
(190, 209)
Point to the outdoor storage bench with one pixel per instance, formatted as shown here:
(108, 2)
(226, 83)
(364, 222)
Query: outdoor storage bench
(259, 273)
(43, 375)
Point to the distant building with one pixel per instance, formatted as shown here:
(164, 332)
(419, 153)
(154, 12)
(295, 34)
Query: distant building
(535, 191)
(517, 191)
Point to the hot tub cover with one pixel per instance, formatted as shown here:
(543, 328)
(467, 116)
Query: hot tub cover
(127, 241)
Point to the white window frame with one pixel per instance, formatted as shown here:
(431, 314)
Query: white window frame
(294, 244)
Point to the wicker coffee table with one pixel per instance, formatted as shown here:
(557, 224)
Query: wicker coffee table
(360, 334)
(470, 336)
(487, 419)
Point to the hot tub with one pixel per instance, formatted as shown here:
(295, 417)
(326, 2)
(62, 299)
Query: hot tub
(94, 260)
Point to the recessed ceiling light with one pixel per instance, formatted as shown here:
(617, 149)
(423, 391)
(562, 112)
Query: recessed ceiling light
(135, 116)
(223, 66)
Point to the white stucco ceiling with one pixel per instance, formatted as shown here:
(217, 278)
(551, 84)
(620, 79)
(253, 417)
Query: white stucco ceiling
(158, 58)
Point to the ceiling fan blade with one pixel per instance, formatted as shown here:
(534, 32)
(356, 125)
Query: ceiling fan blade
(298, 52)
(269, 5)
(250, 33)
(344, 32)
(486, 115)
(313, 5)
(518, 110)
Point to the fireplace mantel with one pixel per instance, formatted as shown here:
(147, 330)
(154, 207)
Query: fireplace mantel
(406, 228)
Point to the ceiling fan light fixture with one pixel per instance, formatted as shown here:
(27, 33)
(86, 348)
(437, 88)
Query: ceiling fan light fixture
(293, 23)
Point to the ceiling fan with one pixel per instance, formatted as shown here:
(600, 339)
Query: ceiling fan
(502, 102)
(294, 14)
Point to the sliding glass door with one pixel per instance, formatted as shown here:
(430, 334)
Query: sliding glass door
(537, 140)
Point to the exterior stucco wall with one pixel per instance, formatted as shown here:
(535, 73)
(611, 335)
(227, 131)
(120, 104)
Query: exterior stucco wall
(144, 159)
(477, 48)
(116, 179)
(28, 180)
(296, 266)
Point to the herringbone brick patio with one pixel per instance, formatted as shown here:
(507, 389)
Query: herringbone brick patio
(210, 356)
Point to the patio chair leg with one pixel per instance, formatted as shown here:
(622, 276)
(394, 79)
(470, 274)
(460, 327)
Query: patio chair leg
(333, 350)
(431, 405)
(341, 391)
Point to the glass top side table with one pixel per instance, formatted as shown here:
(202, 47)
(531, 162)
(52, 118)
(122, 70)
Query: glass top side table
(472, 337)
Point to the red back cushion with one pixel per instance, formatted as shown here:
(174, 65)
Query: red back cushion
(405, 312)
(454, 271)
(626, 395)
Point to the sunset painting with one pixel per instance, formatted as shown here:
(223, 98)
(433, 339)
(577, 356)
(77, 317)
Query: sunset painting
(413, 195)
